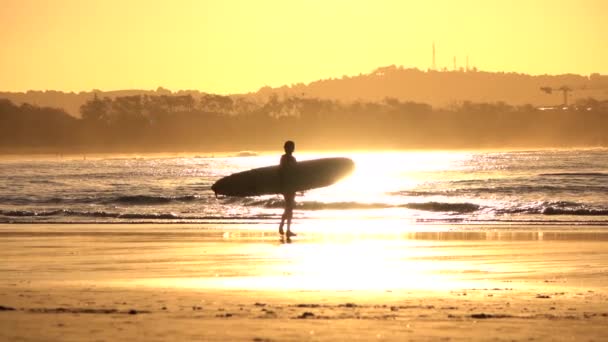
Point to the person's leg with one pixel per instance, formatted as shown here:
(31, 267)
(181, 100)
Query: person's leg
(284, 216)
(289, 216)
(290, 203)
(282, 221)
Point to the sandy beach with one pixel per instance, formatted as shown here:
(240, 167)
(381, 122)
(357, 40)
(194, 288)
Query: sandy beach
(241, 282)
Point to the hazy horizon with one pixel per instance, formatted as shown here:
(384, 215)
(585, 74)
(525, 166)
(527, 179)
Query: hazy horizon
(161, 87)
(440, 89)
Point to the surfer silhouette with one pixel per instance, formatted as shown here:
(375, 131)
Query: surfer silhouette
(287, 162)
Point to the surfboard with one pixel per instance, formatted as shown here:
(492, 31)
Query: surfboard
(304, 175)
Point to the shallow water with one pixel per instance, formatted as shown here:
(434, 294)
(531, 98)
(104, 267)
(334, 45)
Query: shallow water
(386, 189)
(225, 257)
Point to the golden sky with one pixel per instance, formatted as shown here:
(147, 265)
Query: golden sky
(236, 46)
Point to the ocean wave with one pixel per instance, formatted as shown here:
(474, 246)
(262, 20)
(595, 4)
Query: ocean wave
(574, 174)
(274, 203)
(575, 212)
(123, 199)
(313, 205)
(126, 216)
(424, 206)
(44, 181)
(420, 193)
(556, 208)
(545, 208)
(59, 212)
(444, 207)
(166, 216)
(504, 190)
(146, 199)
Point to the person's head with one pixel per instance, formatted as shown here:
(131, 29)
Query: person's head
(289, 146)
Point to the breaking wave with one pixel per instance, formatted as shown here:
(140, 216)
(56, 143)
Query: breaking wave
(505, 190)
(125, 216)
(545, 208)
(556, 208)
(424, 206)
(144, 199)
(125, 199)
(575, 174)
(444, 207)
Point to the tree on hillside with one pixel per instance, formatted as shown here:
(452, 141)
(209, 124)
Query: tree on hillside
(96, 110)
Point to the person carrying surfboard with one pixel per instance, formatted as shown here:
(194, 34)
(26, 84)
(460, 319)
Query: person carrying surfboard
(288, 161)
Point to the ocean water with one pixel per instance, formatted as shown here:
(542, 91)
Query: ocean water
(504, 187)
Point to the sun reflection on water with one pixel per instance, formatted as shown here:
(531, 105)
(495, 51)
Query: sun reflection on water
(376, 175)
(354, 261)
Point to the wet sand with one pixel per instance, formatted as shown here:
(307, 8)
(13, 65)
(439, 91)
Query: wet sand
(230, 282)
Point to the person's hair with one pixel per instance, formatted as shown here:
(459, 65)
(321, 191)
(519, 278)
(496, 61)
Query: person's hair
(289, 146)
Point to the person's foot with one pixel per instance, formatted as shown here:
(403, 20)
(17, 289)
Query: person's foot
(281, 231)
(290, 233)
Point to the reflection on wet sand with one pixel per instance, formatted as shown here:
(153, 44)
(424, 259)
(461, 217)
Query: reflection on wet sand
(195, 256)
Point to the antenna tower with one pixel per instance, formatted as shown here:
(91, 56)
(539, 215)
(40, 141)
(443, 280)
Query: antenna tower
(434, 65)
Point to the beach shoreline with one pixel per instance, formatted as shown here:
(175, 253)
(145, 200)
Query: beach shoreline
(218, 282)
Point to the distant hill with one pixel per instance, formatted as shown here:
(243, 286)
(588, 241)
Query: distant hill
(437, 88)
(446, 88)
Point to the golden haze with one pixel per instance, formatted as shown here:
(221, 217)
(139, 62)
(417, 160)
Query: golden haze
(238, 46)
